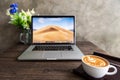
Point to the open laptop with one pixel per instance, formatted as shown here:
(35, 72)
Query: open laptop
(53, 38)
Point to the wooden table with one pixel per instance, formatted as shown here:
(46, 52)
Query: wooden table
(12, 69)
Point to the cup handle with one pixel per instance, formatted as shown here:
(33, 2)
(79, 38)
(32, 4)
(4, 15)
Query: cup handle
(21, 34)
(114, 72)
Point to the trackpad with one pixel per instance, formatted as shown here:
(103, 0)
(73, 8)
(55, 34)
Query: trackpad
(52, 55)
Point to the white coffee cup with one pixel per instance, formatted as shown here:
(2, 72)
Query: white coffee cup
(96, 66)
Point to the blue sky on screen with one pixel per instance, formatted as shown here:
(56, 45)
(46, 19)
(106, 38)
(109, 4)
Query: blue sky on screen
(66, 23)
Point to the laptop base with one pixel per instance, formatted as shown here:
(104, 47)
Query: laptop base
(29, 54)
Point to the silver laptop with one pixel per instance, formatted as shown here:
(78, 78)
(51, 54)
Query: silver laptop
(53, 38)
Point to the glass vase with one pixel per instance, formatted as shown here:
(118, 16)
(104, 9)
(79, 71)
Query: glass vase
(25, 36)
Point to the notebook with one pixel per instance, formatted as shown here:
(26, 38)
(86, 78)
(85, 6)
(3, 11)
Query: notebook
(53, 38)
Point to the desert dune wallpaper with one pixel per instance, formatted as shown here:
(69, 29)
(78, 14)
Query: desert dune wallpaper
(52, 34)
(97, 21)
(53, 29)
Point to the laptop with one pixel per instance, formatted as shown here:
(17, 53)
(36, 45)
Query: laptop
(52, 38)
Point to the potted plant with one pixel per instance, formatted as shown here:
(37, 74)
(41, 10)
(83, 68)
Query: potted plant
(21, 19)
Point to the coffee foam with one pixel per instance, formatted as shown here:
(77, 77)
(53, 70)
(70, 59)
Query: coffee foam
(95, 61)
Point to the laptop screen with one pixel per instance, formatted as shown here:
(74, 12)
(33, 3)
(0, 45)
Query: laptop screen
(53, 29)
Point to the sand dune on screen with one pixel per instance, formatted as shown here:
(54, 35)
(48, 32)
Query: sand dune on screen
(52, 33)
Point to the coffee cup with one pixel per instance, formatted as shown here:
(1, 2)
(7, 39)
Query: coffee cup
(96, 66)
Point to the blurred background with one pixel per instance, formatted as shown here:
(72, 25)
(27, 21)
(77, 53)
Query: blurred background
(97, 21)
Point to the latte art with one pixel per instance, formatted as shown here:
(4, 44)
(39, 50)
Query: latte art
(95, 61)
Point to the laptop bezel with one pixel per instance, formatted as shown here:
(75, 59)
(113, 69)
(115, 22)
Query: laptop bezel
(53, 16)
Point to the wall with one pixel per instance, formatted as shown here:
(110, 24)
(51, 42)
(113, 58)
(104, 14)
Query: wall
(96, 20)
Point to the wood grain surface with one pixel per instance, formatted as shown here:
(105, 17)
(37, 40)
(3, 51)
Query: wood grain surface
(12, 69)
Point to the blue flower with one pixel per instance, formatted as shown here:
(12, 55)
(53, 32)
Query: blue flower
(13, 8)
(12, 11)
(14, 5)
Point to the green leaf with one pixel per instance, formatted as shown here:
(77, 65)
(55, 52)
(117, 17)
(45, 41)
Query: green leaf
(21, 19)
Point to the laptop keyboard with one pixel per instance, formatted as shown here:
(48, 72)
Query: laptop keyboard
(52, 48)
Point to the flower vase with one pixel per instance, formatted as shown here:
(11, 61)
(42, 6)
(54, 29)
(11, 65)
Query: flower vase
(25, 36)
